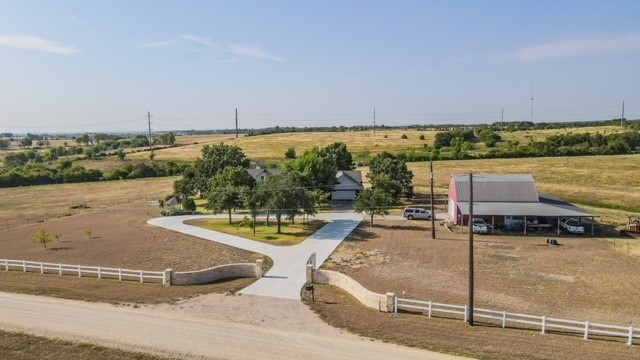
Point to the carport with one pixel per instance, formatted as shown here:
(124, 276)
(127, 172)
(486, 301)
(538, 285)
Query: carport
(547, 207)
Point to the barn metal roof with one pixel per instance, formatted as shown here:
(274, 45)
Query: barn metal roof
(546, 207)
(497, 188)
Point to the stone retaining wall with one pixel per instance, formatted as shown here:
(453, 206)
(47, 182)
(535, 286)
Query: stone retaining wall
(206, 276)
(365, 296)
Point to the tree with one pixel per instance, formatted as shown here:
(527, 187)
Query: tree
(372, 202)
(4, 144)
(342, 156)
(317, 168)
(185, 186)
(286, 195)
(225, 188)
(42, 236)
(290, 153)
(396, 170)
(188, 204)
(167, 139)
(25, 142)
(214, 159)
(121, 154)
(253, 199)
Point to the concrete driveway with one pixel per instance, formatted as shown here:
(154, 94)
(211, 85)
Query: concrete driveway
(288, 275)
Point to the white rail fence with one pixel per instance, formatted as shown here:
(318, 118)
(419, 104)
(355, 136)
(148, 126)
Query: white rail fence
(85, 271)
(504, 318)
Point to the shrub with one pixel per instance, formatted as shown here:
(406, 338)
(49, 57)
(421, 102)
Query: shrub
(404, 136)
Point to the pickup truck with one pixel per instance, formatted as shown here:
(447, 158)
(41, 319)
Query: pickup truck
(572, 226)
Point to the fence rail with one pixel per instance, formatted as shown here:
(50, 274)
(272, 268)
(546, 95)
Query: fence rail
(546, 324)
(84, 271)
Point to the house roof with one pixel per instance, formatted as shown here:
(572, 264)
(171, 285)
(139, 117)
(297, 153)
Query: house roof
(355, 175)
(511, 188)
(255, 173)
(174, 201)
(547, 206)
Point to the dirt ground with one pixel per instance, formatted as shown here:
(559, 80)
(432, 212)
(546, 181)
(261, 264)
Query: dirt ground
(120, 237)
(341, 310)
(18, 346)
(583, 279)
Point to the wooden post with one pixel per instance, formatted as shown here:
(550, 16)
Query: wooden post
(525, 225)
(493, 226)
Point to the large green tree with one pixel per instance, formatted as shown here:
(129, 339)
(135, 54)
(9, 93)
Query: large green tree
(317, 168)
(373, 203)
(225, 189)
(287, 195)
(214, 159)
(342, 157)
(395, 169)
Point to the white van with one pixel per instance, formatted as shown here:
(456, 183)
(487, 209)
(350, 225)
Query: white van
(416, 213)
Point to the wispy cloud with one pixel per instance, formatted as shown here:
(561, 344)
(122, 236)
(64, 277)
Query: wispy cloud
(227, 61)
(157, 44)
(579, 47)
(28, 42)
(254, 51)
(249, 50)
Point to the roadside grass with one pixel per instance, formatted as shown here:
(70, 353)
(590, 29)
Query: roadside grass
(126, 293)
(20, 346)
(341, 310)
(292, 234)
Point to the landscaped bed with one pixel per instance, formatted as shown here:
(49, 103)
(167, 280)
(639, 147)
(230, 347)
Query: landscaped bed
(291, 234)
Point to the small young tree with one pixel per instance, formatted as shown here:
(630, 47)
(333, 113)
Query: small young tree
(189, 204)
(372, 202)
(42, 236)
(89, 233)
(121, 154)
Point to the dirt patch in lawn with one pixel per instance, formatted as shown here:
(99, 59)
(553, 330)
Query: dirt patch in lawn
(583, 279)
(453, 336)
(18, 346)
(290, 234)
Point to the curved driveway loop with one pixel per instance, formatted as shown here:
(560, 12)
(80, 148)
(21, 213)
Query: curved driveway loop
(288, 275)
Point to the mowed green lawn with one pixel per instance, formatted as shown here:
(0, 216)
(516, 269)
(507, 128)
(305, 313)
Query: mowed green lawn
(291, 234)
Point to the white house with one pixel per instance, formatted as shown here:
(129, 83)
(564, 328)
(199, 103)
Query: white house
(262, 174)
(349, 184)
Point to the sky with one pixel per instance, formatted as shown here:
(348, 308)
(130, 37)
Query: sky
(100, 66)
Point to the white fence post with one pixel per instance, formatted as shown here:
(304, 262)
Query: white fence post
(466, 312)
(141, 277)
(544, 323)
(586, 330)
(41, 268)
(99, 273)
(24, 266)
(504, 319)
(630, 340)
(6, 264)
(79, 271)
(60, 269)
(430, 309)
(120, 274)
(395, 304)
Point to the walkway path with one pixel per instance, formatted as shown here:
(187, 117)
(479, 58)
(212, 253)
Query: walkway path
(287, 276)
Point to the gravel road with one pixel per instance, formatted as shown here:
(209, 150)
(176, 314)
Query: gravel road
(198, 328)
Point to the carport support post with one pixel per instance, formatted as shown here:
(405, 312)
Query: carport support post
(593, 220)
(493, 227)
(558, 226)
(525, 225)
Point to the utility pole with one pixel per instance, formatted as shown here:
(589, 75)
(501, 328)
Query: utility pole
(622, 118)
(150, 138)
(433, 211)
(374, 121)
(531, 101)
(470, 315)
(236, 123)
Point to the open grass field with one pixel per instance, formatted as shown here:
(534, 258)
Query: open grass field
(267, 149)
(18, 346)
(599, 181)
(291, 234)
(583, 279)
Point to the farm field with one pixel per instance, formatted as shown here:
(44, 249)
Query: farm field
(583, 279)
(599, 181)
(118, 237)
